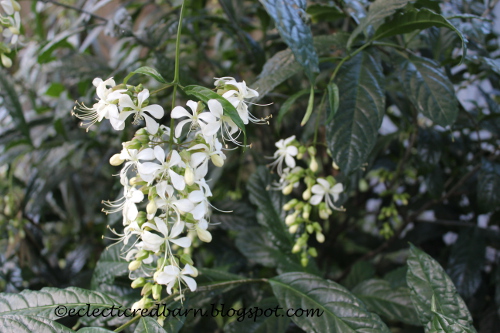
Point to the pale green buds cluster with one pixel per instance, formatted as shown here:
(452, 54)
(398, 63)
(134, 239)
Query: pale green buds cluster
(10, 25)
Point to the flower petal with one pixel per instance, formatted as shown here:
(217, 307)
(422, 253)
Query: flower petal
(155, 110)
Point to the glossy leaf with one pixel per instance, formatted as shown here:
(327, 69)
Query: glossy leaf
(319, 12)
(360, 271)
(427, 280)
(333, 100)
(354, 129)
(93, 330)
(44, 302)
(110, 265)
(289, 16)
(146, 71)
(391, 303)
(429, 90)
(340, 310)
(149, 325)
(377, 12)
(416, 20)
(488, 186)
(30, 324)
(205, 94)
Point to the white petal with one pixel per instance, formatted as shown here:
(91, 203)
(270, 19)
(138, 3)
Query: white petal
(137, 196)
(193, 106)
(151, 124)
(142, 96)
(316, 199)
(318, 189)
(182, 242)
(215, 107)
(199, 211)
(132, 211)
(190, 282)
(179, 112)
(159, 153)
(177, 180)
(146, 154)
(126, 102)
(324, 183)
(155, 110)
(175, 158)
(162, 226)
(196, 196)
(290, 161)
(184, 205)
(176, 230)
(198, 158)
(178, 128)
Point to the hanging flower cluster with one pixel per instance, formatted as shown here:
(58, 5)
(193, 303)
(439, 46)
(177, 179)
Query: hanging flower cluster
(10, 27)
(320, 192)
(164, 170)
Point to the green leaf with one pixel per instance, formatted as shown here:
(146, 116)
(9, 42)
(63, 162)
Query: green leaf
(493, 64)
(429, 89)
(488, 186)
(282, 65)
(415, 19)
(44, 302)
(149, 325)
(147, 71)
(391, 303)
(333, 100)
(337, 310)
(353, 132)
(205, 94)
(110, 265)
(466, 261)
(288, 104)
(12, 104)
(289, 16)
(93, 330)
(377, 12)
(30, 324)
(319, 12)
(276, 323)
(360, 271)
(55, 89)
(427, 280)
(215, 275)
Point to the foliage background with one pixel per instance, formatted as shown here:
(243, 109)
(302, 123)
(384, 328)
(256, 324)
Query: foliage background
(54, 175)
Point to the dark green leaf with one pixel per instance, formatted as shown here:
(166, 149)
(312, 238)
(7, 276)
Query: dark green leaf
(397, 277)
(353, 132)
(340, 310)
(149, 325)
(288, 104)
(12, 104)
(110, 265)
(276, 323)
(55, 89)
(378, 11)
(360, 271)
(30, 324)
(214, 275)
(333, 100)
(493, 64)
(44, 302)
(488, 186)
(416, 20)
(391, 303)
(466, 261)
(429, 89)
(147, 71)
(289, 16)
(429, 147)
(427, 280)
(205, 94)
(319, 12)
(93, 330)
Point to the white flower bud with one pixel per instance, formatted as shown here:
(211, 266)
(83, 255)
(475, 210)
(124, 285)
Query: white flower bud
(320, 237)
(155, 275)
(6, 61)
(335, 166)
(204, 235)
(134, 265)
(195, 271)
(217, 160)
(306, 195)
(16, 6)
(189, 176)
(296, 248)
(138, 305)
(288, 189)
(323, 214)
(313, 165)
(290, 219)
(151, 208)
(293, 228)
(115, 160)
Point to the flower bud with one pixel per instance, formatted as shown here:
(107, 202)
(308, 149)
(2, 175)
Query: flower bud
(296, 248)
(146, 290)
(141, 255)
(16, 6)
(138, 305)
(156, 291)
(204, 235)
(217, 160)
(310, 228)
(134, 265)
(304, 261)
(307, 194)
(186, 259)
(155, 275)
(195, 271)
(320, 237)
(290, 219)
(293, 228)
(312, 252)
(313, 165)
(189, 176)
(151, 208)
(115, 160)
(306, 211)
(335, 166)
(288, 189)
(139, 282)
(6, 61)
(323, 214)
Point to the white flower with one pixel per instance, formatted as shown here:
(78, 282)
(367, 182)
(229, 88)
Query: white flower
(168, 200)
(180, 112)
(285, 152)
(13, 30)
(139, 112)
(149, 171)
(171, 274)
(7, 6)
(153, 242)
(201, 230)
(215, 120)
(106, 107)
(131, 196)
(324, 189)
(199, 160)
(236, 97)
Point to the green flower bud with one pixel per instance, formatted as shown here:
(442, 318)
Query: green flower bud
(288, 189)
(296, 248)
(139, 282)
(320, 237)
(146, 290)
(156, 291)
(134, 265)
(293, 228)
(290, 204)
(312, 252)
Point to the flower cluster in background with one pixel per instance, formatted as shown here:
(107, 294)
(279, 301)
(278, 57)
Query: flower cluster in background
(10, 26)
(319, 192)
(164, 170)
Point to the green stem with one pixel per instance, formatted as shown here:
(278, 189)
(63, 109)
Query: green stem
(347, 58)
(199, 289)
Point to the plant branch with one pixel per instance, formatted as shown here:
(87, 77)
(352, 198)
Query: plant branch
(75, 8)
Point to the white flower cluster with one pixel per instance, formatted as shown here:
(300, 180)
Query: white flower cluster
(319, 192)
(168, 172)
(10, 27)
